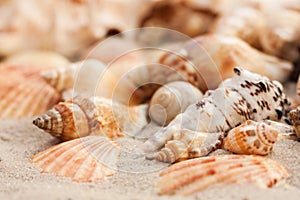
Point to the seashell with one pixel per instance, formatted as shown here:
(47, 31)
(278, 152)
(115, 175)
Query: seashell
(183, 19)
(93, 78)
(295, 119)
(239, 23)
(245, 96)
(298, 91)
(195, 175)
(219, 56)
(189, 144)
(47, 59)
(23, 92)
(88, 159)
(251, 138)
(171, 99)
(281, 35)
(82, 116)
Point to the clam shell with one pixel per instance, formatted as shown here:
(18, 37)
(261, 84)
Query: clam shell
(171, 99)
(195, 175)
(251, 138)
(24, 93)
(88, 159)
(83, 115)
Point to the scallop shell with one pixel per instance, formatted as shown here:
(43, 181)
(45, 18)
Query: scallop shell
(295, 119)
(298, 90)
(82, 116)
(194, 175)
(89, 159)
(171, 99)
(24, 93)
(251, 138)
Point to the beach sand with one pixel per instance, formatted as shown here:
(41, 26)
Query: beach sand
(135, 179)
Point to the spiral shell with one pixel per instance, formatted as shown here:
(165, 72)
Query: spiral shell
(251, 138)
(172, 99)
(23, 93)
(188, 144)
(88, 159)
(245, 96)
(82, 116)
(195, 175)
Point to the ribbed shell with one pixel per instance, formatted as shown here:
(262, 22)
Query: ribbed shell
(251, 138)
(84, 116)
(88, 159)
(23, 93)
(172, 99)
(194, 175)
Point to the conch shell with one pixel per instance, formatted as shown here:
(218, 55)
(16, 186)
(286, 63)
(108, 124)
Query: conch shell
(88, 159)
(245, 96)
(195, 175)
(23, 92)
(251, 138)
(82, 116)
(172, 99)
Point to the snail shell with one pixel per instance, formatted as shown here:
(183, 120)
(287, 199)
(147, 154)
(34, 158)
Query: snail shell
(195, 175)
(245, 96)
(172, 99)
(82, 116)
(88, 159)
(251, 138)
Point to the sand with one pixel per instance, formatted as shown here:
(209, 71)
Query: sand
(19, 140)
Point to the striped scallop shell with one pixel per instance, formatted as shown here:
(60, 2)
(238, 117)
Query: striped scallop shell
(23, 93)
(251, 138)
(82, 116)
(195, 175)
(88, 159)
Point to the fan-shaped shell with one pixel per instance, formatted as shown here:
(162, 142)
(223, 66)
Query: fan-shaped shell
(172, 99)
(23, 92)
(88, 159)
(198, 174)
(82, 116)
(251, 138)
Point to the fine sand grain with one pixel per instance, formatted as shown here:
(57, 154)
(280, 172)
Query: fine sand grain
(136, 178)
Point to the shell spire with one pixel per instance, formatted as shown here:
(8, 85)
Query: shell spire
(84, 116)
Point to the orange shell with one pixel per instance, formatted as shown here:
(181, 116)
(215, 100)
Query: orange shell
(88, 159)
(198, 174)
(23, 93)
(251, 138)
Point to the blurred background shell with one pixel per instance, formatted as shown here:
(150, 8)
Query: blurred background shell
(23, 92)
